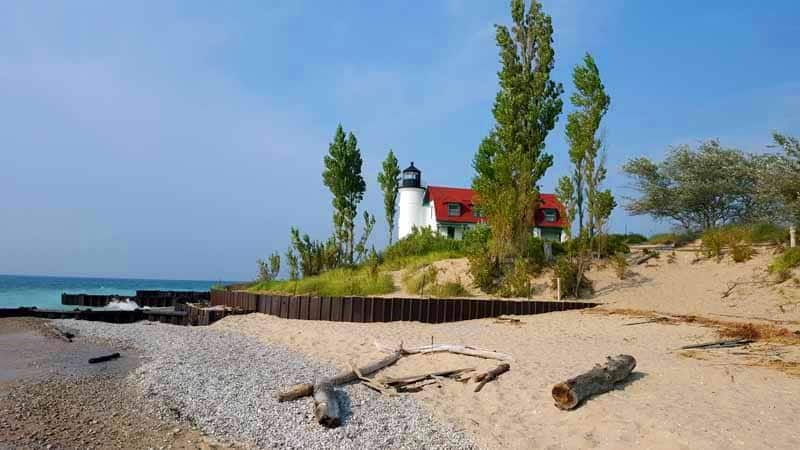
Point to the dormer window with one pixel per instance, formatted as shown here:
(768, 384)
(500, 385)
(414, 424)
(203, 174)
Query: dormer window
(476, 212)
(454, 209)
(550, 215)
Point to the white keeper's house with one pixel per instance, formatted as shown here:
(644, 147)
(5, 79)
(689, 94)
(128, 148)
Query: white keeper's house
(451, 211)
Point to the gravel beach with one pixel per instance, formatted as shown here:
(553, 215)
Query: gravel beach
(226, 384)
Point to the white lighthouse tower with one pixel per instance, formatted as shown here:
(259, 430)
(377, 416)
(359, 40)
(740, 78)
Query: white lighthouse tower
(412, 196)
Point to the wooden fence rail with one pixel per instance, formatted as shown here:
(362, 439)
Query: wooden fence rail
(382, 309)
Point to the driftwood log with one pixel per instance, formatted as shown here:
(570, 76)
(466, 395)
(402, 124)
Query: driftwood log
(596, 381)
(491, 375)
(104, 358)
(326, 408)
(307, 389)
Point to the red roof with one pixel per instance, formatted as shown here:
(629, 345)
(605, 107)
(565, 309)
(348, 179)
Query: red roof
(442, 196)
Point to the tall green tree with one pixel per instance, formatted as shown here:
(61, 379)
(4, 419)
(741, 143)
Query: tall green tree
(511, 159)
(389, 180)
(342, 175)
(582, 187)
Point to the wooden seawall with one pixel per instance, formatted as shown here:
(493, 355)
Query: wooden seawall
(384, 309)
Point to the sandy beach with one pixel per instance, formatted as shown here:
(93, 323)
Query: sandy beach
(215, 387)
(722, 398)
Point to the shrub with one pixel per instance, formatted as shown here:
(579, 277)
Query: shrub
(268, 270)
(449, 289)
(534, 251)
(633, 238)
(620, 264)
(610, 244)
(782, 265)
(741, 251)
(737, 237)
(485, 271)
(713, 242)
(767, 232)
(517, 282)
(476, 239)
(566, 269)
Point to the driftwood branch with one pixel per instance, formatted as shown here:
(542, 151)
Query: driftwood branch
(643, 258)
(719, 344)
(104, 358)
(449, 348)
(656, 320)
(600, 379)
(307, 389)
(491, 375)
(404, 381)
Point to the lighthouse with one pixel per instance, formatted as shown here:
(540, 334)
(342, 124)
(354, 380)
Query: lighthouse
(411, 199)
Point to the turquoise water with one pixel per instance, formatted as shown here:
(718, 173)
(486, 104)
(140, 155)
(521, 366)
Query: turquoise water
(45, 292)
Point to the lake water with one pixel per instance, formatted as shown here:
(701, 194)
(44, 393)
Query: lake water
(45, 292)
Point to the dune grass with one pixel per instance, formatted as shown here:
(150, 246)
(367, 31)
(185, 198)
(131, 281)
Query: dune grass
(785, 262)
(337, 282)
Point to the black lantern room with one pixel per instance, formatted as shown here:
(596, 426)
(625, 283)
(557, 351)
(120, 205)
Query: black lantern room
(411, 177)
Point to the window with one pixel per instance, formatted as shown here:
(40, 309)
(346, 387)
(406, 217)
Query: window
(453, 209)
(451, 232)
(550, 215)
(476, 212)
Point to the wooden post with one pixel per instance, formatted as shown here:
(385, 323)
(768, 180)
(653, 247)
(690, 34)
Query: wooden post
(558, 288)
(792, 235)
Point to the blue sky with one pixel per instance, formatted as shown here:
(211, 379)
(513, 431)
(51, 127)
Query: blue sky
(183, 139)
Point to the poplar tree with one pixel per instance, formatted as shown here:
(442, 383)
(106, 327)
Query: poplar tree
(580, 191)
(511, 159)
(342, 175)
(389, 180)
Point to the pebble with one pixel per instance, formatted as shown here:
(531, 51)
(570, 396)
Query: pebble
(226, 383)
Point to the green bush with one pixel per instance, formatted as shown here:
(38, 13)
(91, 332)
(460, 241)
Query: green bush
(610, 244)
(534, 251)
(566, 269)
(517, 282)
(476, 239)
(449, 289)
(485, 272)
(768, 233)
(785, 262)
(620, 264)
(713, 242)
(632, 238)
(737, 238)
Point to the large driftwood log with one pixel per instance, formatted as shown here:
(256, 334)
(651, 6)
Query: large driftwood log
(306, 389)
(596, 381)
(449, 348)
(326, 408)
(491, 375)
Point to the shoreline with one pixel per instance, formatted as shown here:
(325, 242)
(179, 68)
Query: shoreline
(51, 398)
